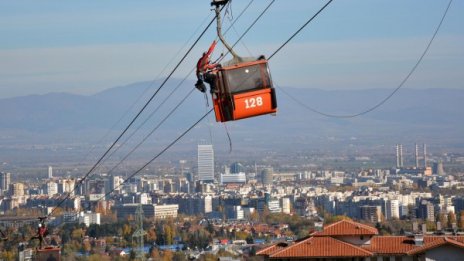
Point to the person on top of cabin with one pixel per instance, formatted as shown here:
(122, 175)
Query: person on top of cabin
(41, 233)
(203, 72)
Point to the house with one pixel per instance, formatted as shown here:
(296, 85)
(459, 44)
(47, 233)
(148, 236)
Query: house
(349, 240)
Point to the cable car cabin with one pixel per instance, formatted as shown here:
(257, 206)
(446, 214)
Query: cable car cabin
(244, 90)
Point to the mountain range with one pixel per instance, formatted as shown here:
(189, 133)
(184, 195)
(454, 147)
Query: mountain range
(434, 116)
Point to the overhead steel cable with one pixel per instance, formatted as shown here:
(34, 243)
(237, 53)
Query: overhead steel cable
(413, 69)
(196, 123)
(147, 88)
(299, 30)
(149, 117)
(79, 183)
(248, 29)
(152, 131)
(171, 93)
(189, 129)
(158, 155)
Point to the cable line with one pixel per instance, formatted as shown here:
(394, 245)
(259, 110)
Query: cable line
(413, 69)
(164, 101)
(79, 183)
(149, 116)
(299, 30)
(158, 155)
(145, 91)
(247, 30)
(153, 130)
(204, 116)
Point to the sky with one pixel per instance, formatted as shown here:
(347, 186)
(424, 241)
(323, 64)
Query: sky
(87, 46)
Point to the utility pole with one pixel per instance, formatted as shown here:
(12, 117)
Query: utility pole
(139, 233)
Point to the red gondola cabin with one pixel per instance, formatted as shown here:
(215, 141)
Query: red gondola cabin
(243, 90)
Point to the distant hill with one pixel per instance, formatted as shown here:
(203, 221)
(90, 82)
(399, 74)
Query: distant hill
(431, 115)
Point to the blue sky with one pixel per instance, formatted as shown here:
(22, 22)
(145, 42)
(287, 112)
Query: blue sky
(87, 46)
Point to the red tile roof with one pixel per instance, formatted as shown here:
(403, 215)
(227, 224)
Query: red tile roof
(347, 228)
(272, 249)
(438, 241)
(328, 243)
(321, 247)
(390, 245)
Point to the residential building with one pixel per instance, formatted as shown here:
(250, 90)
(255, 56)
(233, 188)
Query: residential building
(371, 213)
(152, 211)
(5, 180)
(347, 240)
(233, 178)
(205, 163)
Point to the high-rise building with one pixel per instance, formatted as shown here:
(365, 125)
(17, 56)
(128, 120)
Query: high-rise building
(286, 206)
(205, 163)
(50, 172)
(51, 188)
(425, 156)
(5, 179)
(437, 168)
(371, 213)
(17, 189)
(392, 209)
(236, 168)
(417, 155)
(267, 176)
(399, 155)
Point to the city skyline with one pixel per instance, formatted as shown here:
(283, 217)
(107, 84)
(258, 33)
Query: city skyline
(353, 149)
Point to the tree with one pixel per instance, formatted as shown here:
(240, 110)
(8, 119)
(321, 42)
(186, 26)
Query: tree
(167, 255)
(451, 219)
(151, 235)
(77, 234)
(168, 234)
(443, 220)
(179, 256)
(249, 239)
(264, 214)
(154, 253)
(254, 216)
(461, 220)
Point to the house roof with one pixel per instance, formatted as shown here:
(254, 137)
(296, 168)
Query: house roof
(329, 243)
(272, 249)
(321, 247)
(437, 242)
(390, 245)
(347, 228)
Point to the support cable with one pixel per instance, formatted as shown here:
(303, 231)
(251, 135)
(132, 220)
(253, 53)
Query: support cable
(153, 130)
(158, 155)
(79, 183)
(178, 85)
(413, 69)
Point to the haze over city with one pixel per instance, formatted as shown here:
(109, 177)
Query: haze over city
(118, 143)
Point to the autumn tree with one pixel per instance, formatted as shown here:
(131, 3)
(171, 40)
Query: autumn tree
(451, 219)
(461, 220)
(443, 220)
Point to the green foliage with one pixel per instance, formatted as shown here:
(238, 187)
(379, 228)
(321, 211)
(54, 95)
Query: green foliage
(179, 256)
(297, 225)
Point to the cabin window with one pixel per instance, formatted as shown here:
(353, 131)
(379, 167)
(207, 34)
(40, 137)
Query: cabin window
(253, 77)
